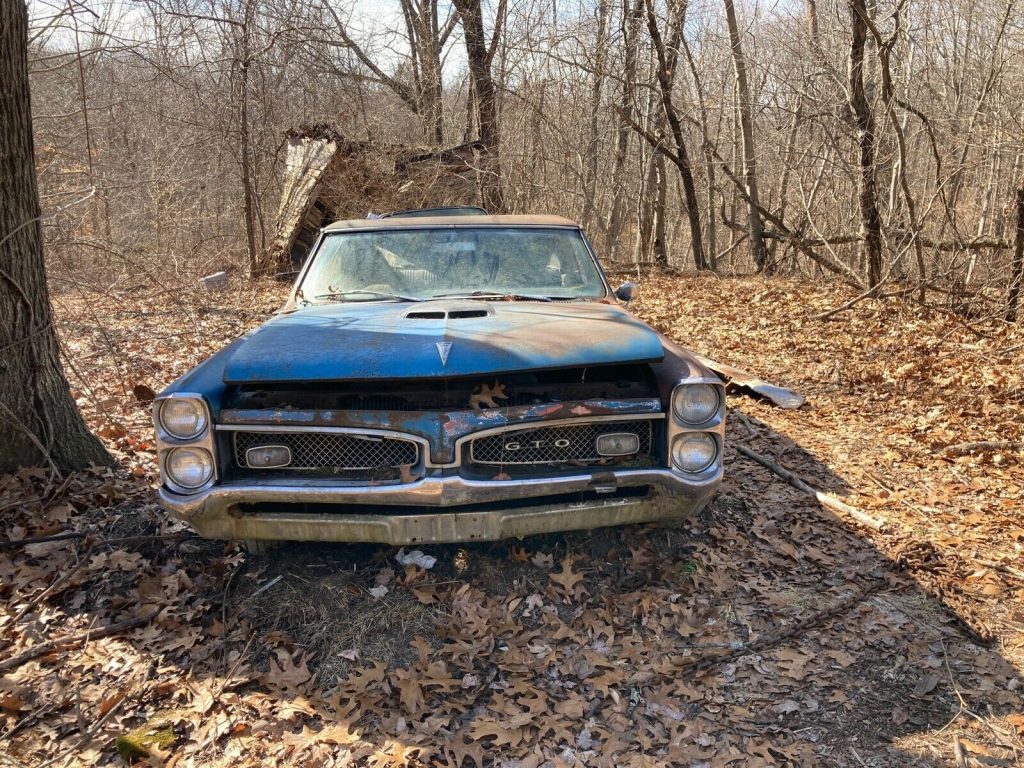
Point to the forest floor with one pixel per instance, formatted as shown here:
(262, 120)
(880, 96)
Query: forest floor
(765, 631)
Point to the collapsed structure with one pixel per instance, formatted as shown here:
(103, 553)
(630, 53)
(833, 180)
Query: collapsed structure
(328, 177)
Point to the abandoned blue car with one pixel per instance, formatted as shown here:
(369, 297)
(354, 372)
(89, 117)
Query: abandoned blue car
(442, 379)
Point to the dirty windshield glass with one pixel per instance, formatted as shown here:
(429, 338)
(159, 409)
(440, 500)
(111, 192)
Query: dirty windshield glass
(428, 263)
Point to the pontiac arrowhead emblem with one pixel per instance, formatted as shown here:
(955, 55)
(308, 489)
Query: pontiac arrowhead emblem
(443, 348)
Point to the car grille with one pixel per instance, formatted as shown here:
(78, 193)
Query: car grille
(338, 454)
(561, 444)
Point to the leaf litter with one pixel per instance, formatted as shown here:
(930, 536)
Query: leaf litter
(765, 631)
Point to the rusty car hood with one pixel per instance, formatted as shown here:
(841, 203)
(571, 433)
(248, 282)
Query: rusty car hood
(437, 339)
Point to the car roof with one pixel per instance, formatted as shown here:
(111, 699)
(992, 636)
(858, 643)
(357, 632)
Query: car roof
(443, 222)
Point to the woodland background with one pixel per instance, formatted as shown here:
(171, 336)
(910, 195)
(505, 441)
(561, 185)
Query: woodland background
(875, 142)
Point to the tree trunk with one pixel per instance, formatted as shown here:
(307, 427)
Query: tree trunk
(593, 150)
(667, 56)
(486, 102)
(630, 32)
(1017, 267)
(245, 152)
(754, 224)
(660, 217)
(39, 422)
(870, 219)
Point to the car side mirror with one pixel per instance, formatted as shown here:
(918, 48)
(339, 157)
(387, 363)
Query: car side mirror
(625, 292)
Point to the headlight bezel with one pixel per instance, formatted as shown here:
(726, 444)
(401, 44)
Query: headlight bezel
(203, 419)
(175, 482)
(167, 442)
(684, 387)
(681, 437)
(713, 427)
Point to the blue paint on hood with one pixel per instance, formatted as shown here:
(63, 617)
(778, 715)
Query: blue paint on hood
(400, 340)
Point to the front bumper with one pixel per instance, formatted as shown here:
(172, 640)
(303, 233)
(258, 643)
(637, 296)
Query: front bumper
(218, 513)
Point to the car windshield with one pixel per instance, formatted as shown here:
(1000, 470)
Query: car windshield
(476, 262)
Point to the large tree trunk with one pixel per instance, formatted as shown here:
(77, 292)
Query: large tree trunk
(1017, 267)
(754, 225)
(870, 219)
(486, 101)
(667, 54)
(630, 32)
(39, 422)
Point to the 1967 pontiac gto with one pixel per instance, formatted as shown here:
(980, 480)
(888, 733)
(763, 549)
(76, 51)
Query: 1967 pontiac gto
(442, 379)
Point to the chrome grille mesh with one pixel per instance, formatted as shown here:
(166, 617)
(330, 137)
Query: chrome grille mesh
(561, 444)
(332, 451)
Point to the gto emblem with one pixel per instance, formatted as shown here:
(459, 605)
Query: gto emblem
(517, 446)
(443, 348)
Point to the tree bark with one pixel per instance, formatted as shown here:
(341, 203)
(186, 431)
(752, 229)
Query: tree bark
(245, 145)
(39, 422)
(630, 32)
(754, 225)
(667, 55)
(870, 219)
(1017, 267)
(486, 102)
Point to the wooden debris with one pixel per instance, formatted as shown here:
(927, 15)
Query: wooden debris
(216, 282)
(983, 446)
(824, 499)
(60, 643)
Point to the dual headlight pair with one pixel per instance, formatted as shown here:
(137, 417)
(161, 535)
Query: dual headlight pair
(694, 405)
(188, 467)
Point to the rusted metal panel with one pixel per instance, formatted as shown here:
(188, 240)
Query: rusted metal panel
(376, 340)
(740, 379)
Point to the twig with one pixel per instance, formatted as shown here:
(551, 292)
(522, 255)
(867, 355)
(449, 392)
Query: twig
(60, 643)
(962, 449)
(959, 753)
(265, 587)
(71, 535)
(824, 499)
(63, 579)
(67, 536)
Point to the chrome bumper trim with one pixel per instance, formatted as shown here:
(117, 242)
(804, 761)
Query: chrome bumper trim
(213, 513)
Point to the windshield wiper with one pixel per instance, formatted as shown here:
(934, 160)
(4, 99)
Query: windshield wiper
(491, 295)
(343, 295)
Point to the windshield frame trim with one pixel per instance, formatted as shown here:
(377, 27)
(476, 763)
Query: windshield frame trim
(293, 304)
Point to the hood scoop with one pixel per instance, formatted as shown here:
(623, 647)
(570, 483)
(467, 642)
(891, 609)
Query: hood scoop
(446, 314)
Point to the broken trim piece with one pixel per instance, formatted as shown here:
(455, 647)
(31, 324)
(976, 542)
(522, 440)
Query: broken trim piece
(783, 398)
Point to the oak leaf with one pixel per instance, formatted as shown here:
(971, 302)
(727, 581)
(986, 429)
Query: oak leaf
(487, 396)
(568, 579)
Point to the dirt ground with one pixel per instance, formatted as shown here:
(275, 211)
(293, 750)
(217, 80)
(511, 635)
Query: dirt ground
(765, 631)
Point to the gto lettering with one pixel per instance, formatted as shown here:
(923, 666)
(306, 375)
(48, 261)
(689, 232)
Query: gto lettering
(560, 443)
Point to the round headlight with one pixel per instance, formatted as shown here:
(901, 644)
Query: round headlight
(189, 467)
(695, 403)
(183, 418)
(694, 451)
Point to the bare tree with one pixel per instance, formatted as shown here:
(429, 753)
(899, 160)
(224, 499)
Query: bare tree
(754, 225)
(39, 421)
(480, 56)
(667, 54)
(870, 218)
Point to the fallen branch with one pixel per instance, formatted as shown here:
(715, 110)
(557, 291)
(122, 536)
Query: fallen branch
(824, 499)
(698, 665)
(982, 446)
(61, 643)
(73, 535)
